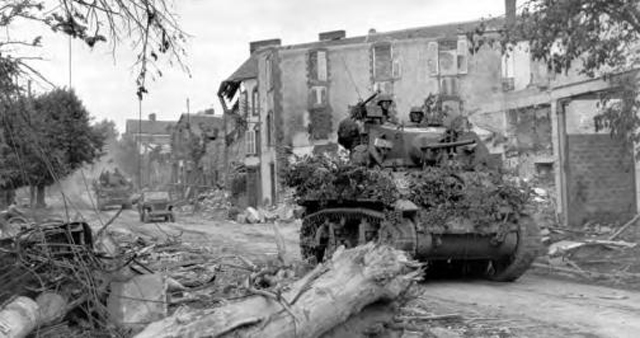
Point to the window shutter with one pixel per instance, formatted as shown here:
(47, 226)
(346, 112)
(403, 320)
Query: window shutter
(242, 103)
(463, 60)
(258, 139)
(432, 58)
(397, 69)
(321, 57)
(255, 109)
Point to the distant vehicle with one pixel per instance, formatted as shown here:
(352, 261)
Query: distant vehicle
(154, 205)
(113, 189)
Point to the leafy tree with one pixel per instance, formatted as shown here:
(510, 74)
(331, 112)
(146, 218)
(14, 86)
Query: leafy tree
(108, 130)
(594, 37)
(49, 138)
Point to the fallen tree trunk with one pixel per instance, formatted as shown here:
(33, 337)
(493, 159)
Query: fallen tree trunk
(324, 298)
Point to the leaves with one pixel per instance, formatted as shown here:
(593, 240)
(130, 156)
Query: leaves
(46, 138)
(447, 192)
(325, 178)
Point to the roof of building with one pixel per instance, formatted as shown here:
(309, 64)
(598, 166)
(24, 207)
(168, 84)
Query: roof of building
(437, 31)
(149, 127)
(248, 70)
(202, 123)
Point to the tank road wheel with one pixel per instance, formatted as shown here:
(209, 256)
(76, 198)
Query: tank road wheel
(512, 267)
(308, 249)
(316, 240)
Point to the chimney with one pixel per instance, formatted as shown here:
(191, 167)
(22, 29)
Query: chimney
(510, 12)
(255, 45)
(332, 35)
(152, 117)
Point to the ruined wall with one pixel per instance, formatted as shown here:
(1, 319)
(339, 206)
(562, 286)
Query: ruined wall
(601, 171)
(601, 182)
(529, 148)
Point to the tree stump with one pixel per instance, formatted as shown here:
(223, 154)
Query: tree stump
(324, 298)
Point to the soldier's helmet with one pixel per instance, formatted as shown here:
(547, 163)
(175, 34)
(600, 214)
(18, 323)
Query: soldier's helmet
(416, 114)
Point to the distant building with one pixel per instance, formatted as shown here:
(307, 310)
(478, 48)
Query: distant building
(197, 150)
(154, 139)
(150, 133)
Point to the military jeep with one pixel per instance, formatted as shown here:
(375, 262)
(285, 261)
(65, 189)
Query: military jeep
(155, 205)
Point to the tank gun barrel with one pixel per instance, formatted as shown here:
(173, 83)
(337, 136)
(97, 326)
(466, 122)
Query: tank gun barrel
(368, 99)
(448, 144)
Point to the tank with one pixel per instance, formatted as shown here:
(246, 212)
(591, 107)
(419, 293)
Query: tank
(112, 189)
(424, 175)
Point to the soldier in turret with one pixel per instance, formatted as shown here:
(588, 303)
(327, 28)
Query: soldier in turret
(385, 102)
(416, 117)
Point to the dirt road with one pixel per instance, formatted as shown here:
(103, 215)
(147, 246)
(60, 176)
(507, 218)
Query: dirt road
(532, 307)
(540, 307)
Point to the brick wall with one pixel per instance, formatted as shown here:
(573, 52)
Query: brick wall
(601, 179)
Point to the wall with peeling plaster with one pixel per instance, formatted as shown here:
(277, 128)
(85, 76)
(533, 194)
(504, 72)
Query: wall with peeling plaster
(350, 78)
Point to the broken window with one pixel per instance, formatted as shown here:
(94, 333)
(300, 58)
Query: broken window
(382, 62)
(448, 57)
(317, 65)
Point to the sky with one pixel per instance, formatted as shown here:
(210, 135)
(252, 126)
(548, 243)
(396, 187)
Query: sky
(220, 32)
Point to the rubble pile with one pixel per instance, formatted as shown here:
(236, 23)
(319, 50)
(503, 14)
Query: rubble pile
(284, 212)
(598, 251)
(112, 283)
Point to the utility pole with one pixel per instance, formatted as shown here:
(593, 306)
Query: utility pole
(139, 144)
(70, 62)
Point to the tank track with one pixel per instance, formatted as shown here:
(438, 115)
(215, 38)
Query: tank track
(312, 222)
(529, 244)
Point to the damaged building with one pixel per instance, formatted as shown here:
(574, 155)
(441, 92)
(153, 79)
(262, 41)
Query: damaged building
(540, 124)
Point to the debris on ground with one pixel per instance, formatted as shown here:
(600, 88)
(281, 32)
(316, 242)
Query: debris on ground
(598, 252)
(68, 281)
(308, 307)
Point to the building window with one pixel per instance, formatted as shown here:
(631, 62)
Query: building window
(318, 65)
(382, 62)
(255, 103)
(320, 124)
(253, 141)
(449, 86)
(270, 129)
(448, 57)
(318, 96)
